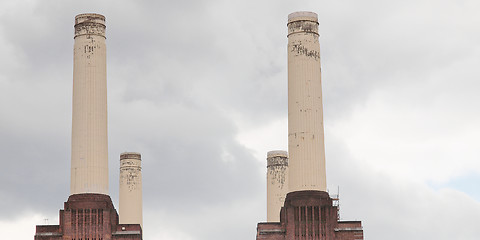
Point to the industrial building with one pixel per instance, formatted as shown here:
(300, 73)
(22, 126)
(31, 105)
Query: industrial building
(298, 204)
(89, 213)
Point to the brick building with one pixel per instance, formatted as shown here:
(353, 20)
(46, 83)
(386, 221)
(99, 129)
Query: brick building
(309, 215)
(88, 217)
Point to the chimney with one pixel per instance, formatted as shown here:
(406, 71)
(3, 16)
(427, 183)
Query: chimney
(130, 204)
(306, 146)
(277, 183)
(89, 163)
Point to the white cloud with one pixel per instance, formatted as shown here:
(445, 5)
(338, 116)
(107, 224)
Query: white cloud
(23, 227)
(261, 139)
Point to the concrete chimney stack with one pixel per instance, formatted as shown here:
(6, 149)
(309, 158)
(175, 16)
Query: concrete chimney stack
(130, 205)
(308, 211)
(306, 146)
(277, 183)
(89, 163)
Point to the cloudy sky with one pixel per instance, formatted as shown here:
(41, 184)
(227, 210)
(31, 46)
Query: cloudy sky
(199, 87)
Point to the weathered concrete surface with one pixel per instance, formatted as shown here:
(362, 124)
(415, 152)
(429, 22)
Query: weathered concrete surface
(277, 183)
(89, 163)
(306, 146)
(130, 204)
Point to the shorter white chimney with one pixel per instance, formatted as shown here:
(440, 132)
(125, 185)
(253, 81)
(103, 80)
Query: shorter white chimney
(277, 183)
(130, 204)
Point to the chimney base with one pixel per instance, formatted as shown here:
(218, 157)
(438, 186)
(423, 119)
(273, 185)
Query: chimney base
(89, 216)
(309, 215)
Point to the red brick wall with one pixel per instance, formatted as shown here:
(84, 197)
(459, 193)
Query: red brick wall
(270, 231)
(48, 232)
(349, 230)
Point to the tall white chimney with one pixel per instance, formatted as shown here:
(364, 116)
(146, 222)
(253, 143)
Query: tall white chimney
(89, 163)
(130, 204)
(277, 183)
(306, 146)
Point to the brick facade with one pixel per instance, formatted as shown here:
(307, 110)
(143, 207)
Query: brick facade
(89, 216)
(309, 215)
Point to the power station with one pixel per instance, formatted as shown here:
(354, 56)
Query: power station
(89, 212)
(298, 205)
(308, 211)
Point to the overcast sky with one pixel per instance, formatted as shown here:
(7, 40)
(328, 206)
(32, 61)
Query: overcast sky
(199, 88)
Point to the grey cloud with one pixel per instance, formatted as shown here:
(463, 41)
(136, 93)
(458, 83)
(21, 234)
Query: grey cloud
(179, 74)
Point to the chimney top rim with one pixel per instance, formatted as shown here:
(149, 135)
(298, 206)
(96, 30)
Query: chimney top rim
(97, 15)
(89, 17)
(130, 155)
(277, 153)
(302, 15)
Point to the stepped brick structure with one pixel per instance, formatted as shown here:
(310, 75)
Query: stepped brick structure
(309, 215)
(308, 211)
(88, 216)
